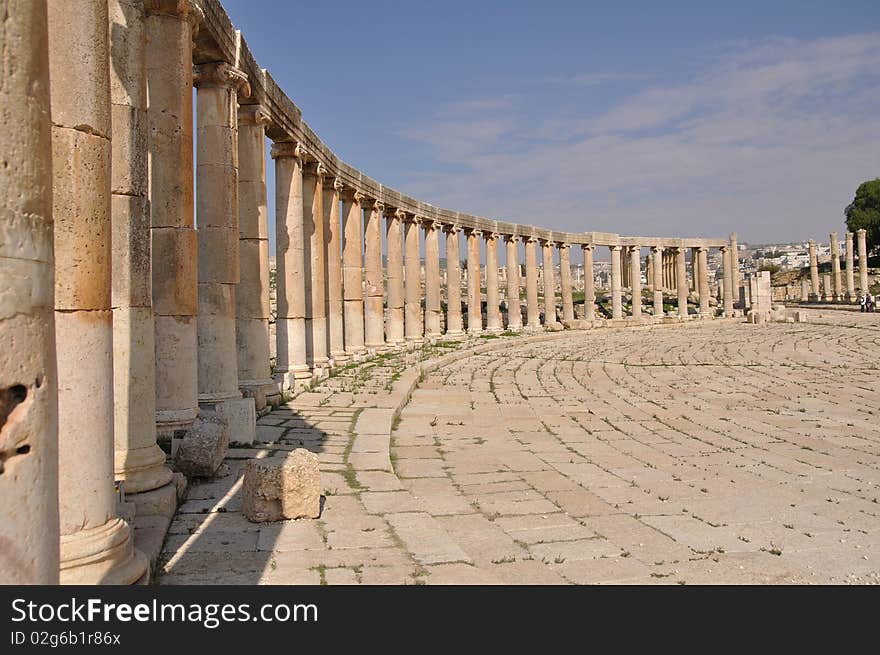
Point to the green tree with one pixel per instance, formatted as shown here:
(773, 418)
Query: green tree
(863, 213)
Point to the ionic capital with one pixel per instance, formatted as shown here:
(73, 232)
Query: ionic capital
(292, 149)
(253, 115)
(615, 248)
(562, 245)
(378, 205)
(488, 235)
(182, 9)
(451, 228)
(338, 186)
(587, 247)
(220, 74)
(401, 215)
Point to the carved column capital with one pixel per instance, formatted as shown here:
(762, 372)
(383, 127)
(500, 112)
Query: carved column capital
(338, 186)
(287, 149)
(253, 115)
(378, 205)
(220, 74)
(451, 228)
(587, 247)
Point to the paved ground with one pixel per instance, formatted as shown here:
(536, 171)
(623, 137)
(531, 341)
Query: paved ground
(721, 453)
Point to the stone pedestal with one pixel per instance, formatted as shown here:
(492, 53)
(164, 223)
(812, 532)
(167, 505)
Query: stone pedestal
(514, 310)
(96, 545)
(292, 370)
(28, 381)
(278, 488)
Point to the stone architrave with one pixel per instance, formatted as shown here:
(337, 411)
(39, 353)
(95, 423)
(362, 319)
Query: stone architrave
(252, 310)
(96, 543)
(28, 381)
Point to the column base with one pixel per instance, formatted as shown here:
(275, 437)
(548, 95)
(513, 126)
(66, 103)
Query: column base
(455, 335)
(102, 555)
(239, 415)
(494, 329)
(260, 391)
(142, 469)
(340, 357)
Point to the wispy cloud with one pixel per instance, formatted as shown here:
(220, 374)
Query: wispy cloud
(770, 139)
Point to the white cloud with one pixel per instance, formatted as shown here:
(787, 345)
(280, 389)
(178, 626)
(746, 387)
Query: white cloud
(769, 140)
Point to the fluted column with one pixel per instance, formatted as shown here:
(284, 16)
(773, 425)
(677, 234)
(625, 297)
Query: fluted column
(433, 304)
(316, 269)
(862, 240)
(292, 370)
(493, 302)
(514, 311)
(533, 313)
(656, 258)
(96, 544)
(374, 287)
(835, 267)
(218, 85)
(333, 227)
(681, 282)
(616, 293)
(850, 272)
(454, 325)
(814, 272)
(474, 297)
(565, 282)
(703, 279)
(549, 284)
(728, 281)
(635, 276)
(29, 435)
(138, 460)
(252, 310)
(589, 284)
(353, 274)
(394, 263)
(413, 282)
(170, 28)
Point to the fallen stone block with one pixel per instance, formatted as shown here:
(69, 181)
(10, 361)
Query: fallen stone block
(201, 452)
(277, 488)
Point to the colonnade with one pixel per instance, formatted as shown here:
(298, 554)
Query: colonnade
(838, 287)
(140, 322)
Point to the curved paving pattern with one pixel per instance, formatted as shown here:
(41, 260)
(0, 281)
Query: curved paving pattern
(708, 453)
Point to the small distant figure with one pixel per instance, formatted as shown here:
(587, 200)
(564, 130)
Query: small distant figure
(863, 300)
(869, 303)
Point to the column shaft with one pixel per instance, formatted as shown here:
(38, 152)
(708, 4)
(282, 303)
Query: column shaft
(433, 305)
(814, 271)
(514, 311)
(649, 270)
(493, 303)
(28, 380)
(475, 310)
(565, 282)
(850, 272)
(316, 269)
(394, 263)
(454, 325)
(138, 460)
(835, 266)
(703, 278)
(413, 283)
(353, 274)
(861, 236)
(589, 284)
(681, 282)
(252, 310)
(96, 544)
(533, 313)
(616, 294)
(335, 320)
(292, 368)
(549, 284)
(734, 267)
(656, 257)
(374, 287)
(728, 281)
(635, 275)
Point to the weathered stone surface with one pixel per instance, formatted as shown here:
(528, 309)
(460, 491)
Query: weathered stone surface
(279, 488)
(202, 450)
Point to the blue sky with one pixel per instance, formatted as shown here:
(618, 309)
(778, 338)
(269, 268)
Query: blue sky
(663, 118)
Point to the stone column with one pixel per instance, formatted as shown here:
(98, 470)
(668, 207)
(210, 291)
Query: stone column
(616, 300)
(433, 304)
(28, 381)
(394, 258)
(316, 269)
(252, 309)
(624, 268)
(292, 370)
(514, 311)
(635, 274)
(138, 460)
(493, 302)
(727, 284)
(827, 287)
(549, 284)
(681, 282)
(335, 320)
(695, 271)
(703, 279)
(805, 290)
(413, 283)
(814, 271)
(353, 274)
(533, 314)
(649, 270)
(169, 43)
(850, 273)
(861, 236)
(589, 284)
(734, 266)
(374, 300)
(218, 85)
(475, 310)
(96, 544)
(656, 257)
(835, 267)
(565, 281)
(454, 326)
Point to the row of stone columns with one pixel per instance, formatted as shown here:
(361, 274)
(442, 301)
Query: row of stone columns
(834, 288)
